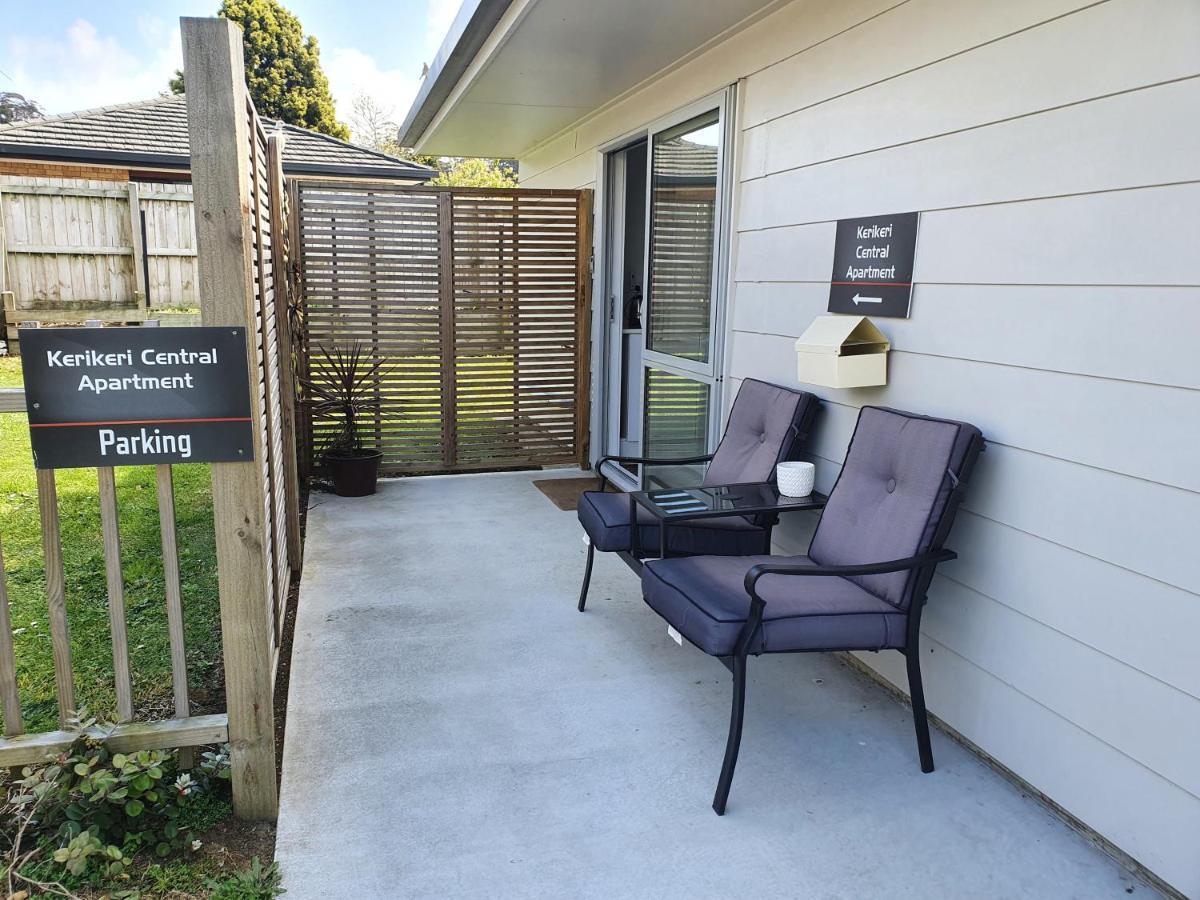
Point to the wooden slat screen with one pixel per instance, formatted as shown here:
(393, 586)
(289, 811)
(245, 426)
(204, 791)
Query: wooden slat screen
(369, 264)
(475, 298)
(268, 337)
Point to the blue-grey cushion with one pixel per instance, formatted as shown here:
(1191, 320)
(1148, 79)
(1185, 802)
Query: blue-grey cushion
(767, 424)
(891, 494)
(705, 600)
(605, 517)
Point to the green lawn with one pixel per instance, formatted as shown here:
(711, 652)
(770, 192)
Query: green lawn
(87, 600)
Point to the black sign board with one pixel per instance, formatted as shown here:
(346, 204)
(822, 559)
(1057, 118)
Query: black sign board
(131, 396)
(873, 265)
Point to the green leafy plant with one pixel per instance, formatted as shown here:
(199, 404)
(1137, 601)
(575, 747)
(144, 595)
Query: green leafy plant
(259, 882)
(92, 810)
(476, 172)
(341, 388)
(86, 850)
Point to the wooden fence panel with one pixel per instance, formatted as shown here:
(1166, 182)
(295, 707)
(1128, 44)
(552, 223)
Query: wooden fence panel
(515, 291)
(18, 748)
(67, 243)
(170, 245)
(72, 244)
(477, 300)
(241, 225)
(370, 272)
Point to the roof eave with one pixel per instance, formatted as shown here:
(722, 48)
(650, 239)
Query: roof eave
(390, 172)
(118, 158)
(127, 160)
(471, 28)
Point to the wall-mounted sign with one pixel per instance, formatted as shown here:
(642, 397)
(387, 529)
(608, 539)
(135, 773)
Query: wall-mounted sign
(873, 265)
(131, 396)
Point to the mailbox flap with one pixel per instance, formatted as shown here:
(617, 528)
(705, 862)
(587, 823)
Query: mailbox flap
(842, 336)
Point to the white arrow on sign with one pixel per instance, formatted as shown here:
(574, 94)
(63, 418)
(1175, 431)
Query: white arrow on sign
(857, 298)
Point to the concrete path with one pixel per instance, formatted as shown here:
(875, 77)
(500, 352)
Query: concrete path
(456, 729)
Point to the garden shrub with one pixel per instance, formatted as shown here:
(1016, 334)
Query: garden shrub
(91, 810)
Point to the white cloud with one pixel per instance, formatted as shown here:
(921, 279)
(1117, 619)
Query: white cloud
(439, 16)
(85, 67)
(352, 72)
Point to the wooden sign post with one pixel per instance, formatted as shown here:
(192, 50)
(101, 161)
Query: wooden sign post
(219, 122)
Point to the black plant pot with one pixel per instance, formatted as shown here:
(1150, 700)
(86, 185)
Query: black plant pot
(355, 473)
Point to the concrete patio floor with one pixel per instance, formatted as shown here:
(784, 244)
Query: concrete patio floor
(456, 729)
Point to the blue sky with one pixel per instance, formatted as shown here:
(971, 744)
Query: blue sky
(71, 54)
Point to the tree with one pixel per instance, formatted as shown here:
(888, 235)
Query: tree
(372, 125)
(476, 172)
(283, 67)
(17, 108)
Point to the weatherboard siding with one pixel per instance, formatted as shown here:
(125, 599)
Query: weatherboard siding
(1054, 152)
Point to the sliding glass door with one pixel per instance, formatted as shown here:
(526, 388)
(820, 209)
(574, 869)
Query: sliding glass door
(687, 239)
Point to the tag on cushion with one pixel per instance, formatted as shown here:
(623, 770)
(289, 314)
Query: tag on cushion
(675, 635)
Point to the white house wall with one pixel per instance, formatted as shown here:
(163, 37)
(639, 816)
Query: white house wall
(1053, 147)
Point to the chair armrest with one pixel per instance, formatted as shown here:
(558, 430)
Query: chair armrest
(646, 460)
(652, 461)
(877, 568)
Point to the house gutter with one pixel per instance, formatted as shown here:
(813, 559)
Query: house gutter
(47, 153)
(472, 26)
(423, 173)
(173, 162)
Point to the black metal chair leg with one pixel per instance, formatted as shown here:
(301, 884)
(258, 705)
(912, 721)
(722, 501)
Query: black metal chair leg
(735, 734)
(917, 693)
(587, 575)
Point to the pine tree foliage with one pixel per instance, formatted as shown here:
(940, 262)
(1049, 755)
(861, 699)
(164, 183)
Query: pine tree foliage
(283, 67)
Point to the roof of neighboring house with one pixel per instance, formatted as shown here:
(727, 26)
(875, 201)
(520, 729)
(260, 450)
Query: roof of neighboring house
(154, 133)
(681, 158)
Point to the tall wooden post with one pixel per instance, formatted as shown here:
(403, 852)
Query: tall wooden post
(219, 132)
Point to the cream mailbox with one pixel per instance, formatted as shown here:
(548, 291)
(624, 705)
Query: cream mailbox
(842, 352)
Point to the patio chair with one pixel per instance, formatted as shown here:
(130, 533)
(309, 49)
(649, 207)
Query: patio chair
(863, 582)
(768, 424)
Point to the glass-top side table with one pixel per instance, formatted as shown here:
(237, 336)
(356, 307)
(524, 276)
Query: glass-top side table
(669, 505)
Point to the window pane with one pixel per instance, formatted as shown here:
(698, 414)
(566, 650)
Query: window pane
(683, 210)
(676, 425)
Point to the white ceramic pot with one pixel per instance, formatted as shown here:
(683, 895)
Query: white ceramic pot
(795, 479)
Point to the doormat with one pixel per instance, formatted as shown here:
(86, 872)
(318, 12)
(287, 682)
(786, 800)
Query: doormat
(564, 492)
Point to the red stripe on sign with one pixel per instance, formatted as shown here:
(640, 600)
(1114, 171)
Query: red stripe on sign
(876, 283)
(133, 422)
